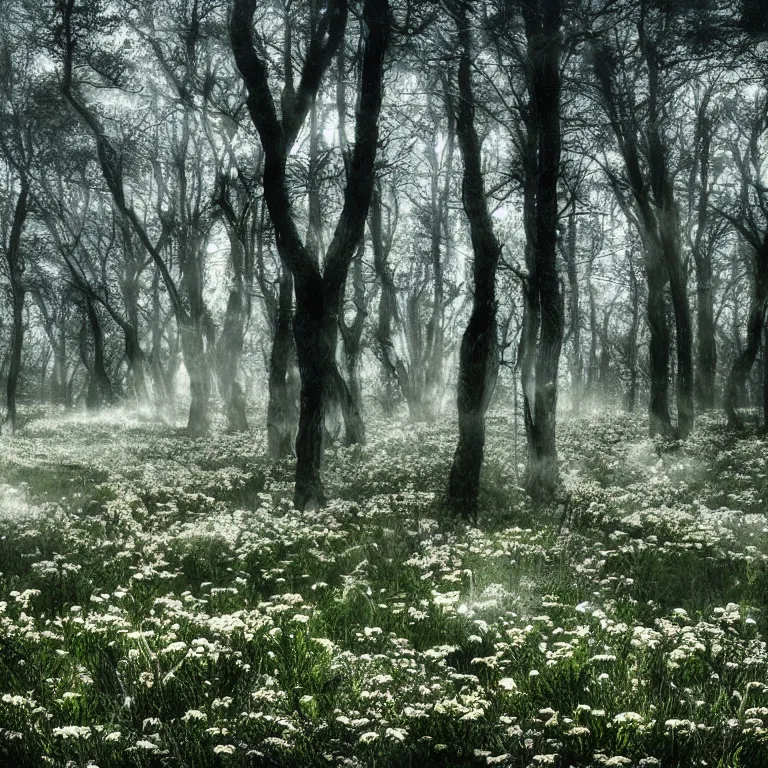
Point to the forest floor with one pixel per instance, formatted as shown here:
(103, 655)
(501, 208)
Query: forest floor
(163, 604)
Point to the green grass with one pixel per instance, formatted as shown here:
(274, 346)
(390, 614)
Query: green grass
(163, 604)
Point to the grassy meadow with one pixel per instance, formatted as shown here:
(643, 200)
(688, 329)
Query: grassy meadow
(163, 604)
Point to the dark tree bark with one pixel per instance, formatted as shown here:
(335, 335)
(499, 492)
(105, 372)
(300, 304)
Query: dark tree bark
(660, 421)
(751, 223)
(701, 248)
(744, 361)
(130, 284)
(318, 294)
(631, 344)
(99, 385)
(281, 409)
(656, 217)
(15, 262)
(282, 382)
(387, 309)
(479, 354)
(350, 391)
(544, 301)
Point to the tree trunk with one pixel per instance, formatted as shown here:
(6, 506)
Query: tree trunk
(706, 348)
(196, 363)
(194, 326)
(99, 387)
(605, 358)
(14, 367)
(60, 366)
(542, 474)
(574, 310)
(683, 333)
(745, 359)
(765, 378)
(131, 290)
(663, 233)
(660, 421)
(230, 352)
(135, 357)
(318, 295)
(45, 359)
(479, 354)
(350, 391)
(439, 230)
(189, 320)
(18, 291)
(281, 409)
(634, 295)
(592, 368)
(387, 310)
(230, 345)
(315, 351)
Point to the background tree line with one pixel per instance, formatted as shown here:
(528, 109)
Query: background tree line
(381, 205)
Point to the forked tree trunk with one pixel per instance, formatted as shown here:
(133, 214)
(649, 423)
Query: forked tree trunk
(663, 230)
(135, 357)
(655, 214)
(439, 233)
(318, 295)
(683, 328)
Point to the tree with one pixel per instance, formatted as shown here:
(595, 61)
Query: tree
(17, 113)
(188, 309)
(319, 293)
(645, 188)
(543, 322)
(479, 354)
(750, 219)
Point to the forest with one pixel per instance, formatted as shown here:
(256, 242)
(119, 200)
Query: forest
(385, 383)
